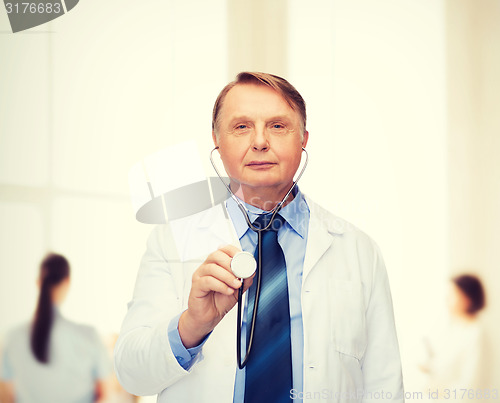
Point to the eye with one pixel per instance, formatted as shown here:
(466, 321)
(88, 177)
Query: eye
(241, 127)
(277, 127)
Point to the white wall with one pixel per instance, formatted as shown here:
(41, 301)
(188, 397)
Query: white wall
(373, 74)
(403, 117)
(473, 54)
(83, 98)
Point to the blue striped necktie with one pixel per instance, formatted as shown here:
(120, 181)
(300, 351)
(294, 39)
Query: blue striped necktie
(269, 368)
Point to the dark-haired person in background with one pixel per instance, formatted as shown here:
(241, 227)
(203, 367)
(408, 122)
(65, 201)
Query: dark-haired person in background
(469, 297)
(52, 359)
(456, 351)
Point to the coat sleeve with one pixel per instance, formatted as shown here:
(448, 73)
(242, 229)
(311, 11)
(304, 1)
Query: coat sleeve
(381, 364)
(144, 362)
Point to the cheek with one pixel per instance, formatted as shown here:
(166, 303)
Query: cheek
(231, 158)
(451, 300)
(232, 148)
(293, 158)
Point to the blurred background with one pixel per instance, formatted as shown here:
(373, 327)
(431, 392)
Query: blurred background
(403, 113)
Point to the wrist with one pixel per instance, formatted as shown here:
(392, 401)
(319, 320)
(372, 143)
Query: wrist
(191, 331)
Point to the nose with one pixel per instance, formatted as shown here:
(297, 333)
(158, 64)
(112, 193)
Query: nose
(260, 142)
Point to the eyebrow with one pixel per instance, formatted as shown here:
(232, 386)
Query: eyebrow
(244, 118)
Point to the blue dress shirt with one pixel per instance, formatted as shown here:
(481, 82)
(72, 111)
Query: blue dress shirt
(292, 238)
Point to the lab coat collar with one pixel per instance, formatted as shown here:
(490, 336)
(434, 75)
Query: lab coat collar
(323, 229)
(326, 220)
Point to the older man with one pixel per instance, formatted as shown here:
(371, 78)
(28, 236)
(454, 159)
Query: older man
(324, 328)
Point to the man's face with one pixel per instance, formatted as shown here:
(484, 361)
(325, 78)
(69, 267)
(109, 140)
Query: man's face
(260, 140)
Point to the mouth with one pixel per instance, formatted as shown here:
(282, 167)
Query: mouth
(260, 164)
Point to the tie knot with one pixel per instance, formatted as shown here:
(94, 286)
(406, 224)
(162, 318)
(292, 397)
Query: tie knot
(263, 221)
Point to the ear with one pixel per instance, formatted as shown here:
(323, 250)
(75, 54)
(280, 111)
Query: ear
(214, 138)
(305, 139)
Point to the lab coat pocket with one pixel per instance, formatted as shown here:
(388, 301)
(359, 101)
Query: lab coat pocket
(347, 324)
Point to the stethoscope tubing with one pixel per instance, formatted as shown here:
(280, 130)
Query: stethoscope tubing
(259, 231)
(250, 329)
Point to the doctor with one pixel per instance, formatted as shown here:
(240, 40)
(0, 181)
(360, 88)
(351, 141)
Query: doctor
(178, 337)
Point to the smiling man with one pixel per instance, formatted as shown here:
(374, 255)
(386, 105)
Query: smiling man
(324, 328)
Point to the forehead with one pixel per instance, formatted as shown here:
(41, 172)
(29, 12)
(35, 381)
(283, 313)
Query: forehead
(257, 100)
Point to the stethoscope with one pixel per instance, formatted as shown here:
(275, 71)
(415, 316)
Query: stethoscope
(243, 264)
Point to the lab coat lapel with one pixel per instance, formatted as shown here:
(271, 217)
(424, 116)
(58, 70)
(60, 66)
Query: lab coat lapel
(320, 237)
(318, 242)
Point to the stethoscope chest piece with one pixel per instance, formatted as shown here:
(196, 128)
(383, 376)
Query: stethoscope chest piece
(243, 265)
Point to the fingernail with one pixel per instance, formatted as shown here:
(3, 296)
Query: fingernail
(236, 282)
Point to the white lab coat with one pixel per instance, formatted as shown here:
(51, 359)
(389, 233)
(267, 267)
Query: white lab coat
(350, 345)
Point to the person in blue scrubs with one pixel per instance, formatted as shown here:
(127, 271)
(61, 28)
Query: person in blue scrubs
(52, 359)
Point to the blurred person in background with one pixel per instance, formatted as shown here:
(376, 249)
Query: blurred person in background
(456, 352)
(115, 392)
(52, 359)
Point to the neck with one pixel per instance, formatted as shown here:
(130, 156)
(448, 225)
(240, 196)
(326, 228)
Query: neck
(265, 198)
(464, 317)
(59, 293)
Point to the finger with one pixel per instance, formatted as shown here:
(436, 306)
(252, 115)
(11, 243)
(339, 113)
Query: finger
(220, 258)
(207, 284)
(248, 282)
(230, 250)
(223, 256)
(219, 273)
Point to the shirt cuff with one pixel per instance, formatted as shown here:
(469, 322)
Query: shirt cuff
(185, 357)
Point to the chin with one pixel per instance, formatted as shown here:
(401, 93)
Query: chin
(263, 182)
(265, 186)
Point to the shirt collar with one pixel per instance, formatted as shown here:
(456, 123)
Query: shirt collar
(294, 213)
